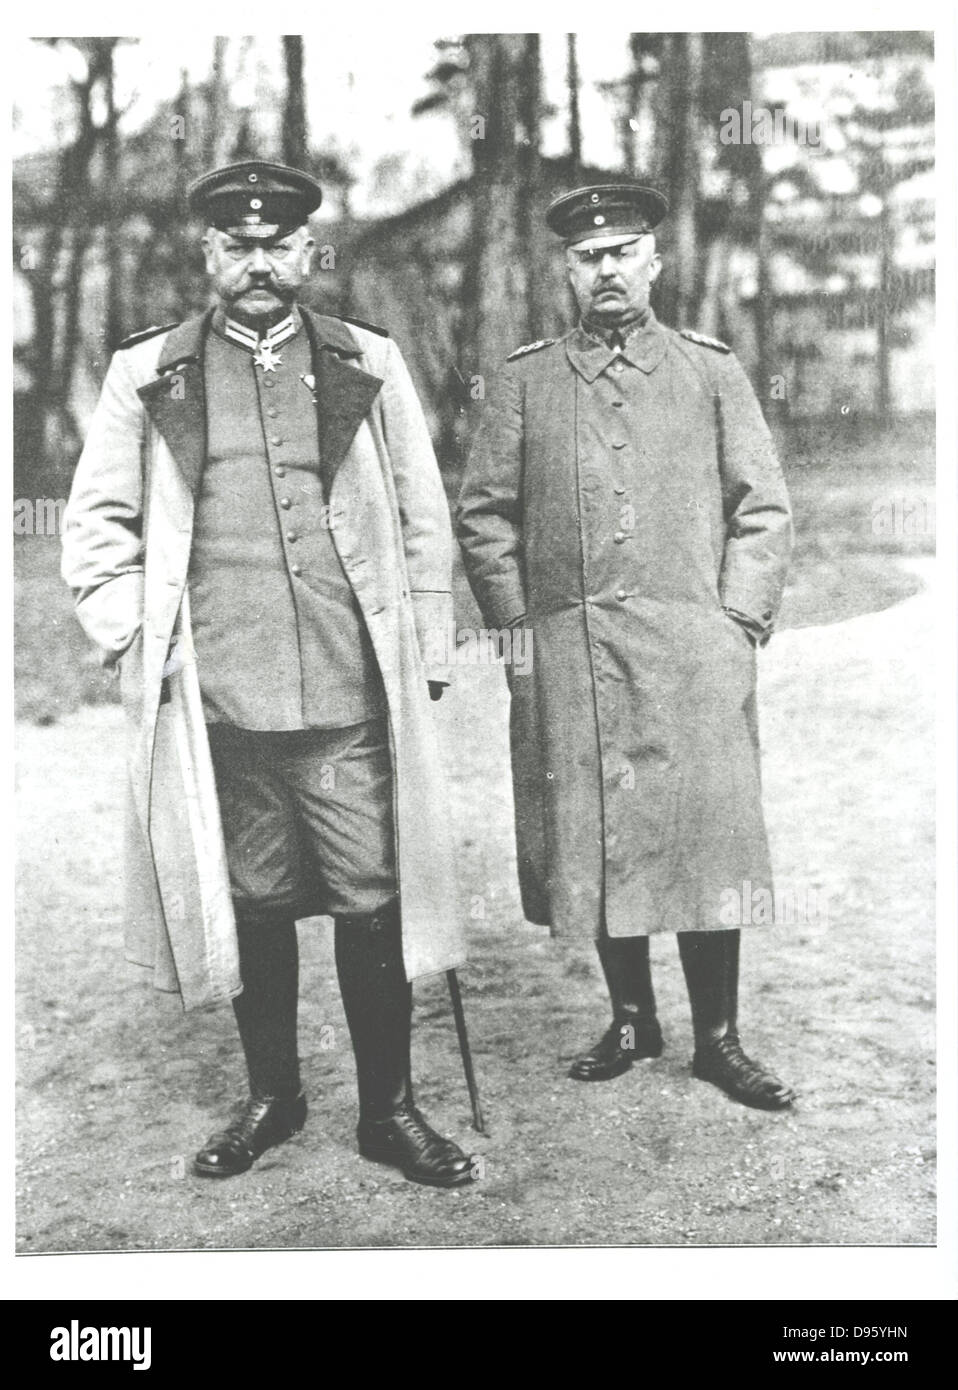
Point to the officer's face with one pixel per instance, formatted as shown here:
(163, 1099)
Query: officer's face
(612, 284)
(257, 280)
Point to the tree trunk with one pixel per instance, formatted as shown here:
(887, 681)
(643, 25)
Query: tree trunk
(500, 308)
(294, 110)
(73, 304)
(215, 144)
(57, 319)
(633, 101)
(714, 285)
(575, 123)
(683, 67)
(530, 162)
(114, 325)
(33, 405)
(764, 302)
(182, 232)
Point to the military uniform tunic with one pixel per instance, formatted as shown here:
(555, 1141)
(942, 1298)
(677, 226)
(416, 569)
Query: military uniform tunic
(279, 638)
(291, 689)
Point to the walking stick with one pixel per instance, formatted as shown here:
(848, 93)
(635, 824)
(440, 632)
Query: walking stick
(460, 1017)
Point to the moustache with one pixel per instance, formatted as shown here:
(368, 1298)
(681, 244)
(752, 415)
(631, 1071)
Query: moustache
(273, 286)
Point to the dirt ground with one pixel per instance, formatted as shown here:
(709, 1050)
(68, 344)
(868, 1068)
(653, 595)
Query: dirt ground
(117, 1087)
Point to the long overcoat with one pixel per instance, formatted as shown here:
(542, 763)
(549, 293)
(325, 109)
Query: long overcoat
(634, 738)
(126, 553)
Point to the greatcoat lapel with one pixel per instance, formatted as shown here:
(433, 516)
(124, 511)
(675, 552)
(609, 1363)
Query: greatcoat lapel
(344, 394)
(176, 400)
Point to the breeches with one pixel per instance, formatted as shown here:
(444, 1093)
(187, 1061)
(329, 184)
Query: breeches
(307, 817)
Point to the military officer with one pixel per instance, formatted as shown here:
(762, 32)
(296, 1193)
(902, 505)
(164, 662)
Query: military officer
(623, 500)
(258, 534)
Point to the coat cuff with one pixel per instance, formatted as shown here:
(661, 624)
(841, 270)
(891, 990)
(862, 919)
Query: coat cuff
(435, 630)
(757, 634)
(504, 605)
(749, 606)
(111, 614)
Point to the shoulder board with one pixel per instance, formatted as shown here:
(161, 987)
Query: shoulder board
(361, 323)
(530, 347)
(701, 339)
(144, 335)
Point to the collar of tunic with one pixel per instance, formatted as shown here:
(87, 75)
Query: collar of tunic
(591, 356)
(184, 344)
(251, 338)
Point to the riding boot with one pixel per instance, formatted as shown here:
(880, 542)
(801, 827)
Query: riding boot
(266, 1018)
(634, 1031)
(377, 1000)
(710, 961)
(266, 1011)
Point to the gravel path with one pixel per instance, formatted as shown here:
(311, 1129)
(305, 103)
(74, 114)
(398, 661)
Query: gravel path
(117, 1086)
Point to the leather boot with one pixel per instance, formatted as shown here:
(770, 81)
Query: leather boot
(634, 1031)
(710, 961)
(266, 1017)
(377, 999)
(262, 1122)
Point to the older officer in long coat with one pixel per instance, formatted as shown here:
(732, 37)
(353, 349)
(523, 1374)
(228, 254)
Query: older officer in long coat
(258, 534)
(623, 501)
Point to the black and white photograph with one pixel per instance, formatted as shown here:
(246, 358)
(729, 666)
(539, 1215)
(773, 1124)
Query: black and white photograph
(475, 638)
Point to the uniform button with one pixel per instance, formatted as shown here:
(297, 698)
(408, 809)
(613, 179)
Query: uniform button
(621, 595)
(618, 367)
(619, 537)
(285, 503)
(618, 446)
(295, 569)
(292, 536)
(268, 382)
(767, 614)
(277, 439)
(619, 491)
(618, 404)
(272, 412)
(280, 472)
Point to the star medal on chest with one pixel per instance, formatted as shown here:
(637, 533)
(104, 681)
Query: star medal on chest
(267, 357)
(265, 349)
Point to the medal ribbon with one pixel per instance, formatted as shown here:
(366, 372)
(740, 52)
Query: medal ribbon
(263, 348)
